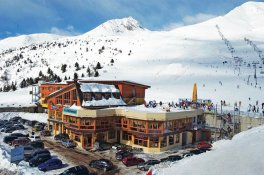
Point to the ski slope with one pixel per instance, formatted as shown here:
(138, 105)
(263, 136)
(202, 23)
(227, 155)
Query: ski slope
(169, 61)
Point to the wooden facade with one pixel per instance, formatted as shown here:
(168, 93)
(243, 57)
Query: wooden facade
(114, 125)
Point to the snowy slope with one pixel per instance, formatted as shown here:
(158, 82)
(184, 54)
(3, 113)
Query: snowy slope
(169, 61)
(240, 156)
(25, 40)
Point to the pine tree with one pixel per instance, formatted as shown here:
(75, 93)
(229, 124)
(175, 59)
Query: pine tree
(40, 73)
(63, 68)
(77, 66)
(112, 61)
(65, 78)
(89, 72)
(96, 74)
(82, 75)
(75, 76)
(49, 70)
(98, 65)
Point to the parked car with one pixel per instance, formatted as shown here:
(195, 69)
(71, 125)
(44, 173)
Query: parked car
(131, 161)
(9, 129)
(19, 135)
(45, 133)
(61, 136)
(28, 150)
(34, 138)
(187, 154)
(102, 164)
(36, 144)
(77, 170)
(102, 146)
(9, 139)
(19, 126)
(51, 164)
(146, 165)
(171, 158)
(15, 118)
(20, 141)
(68, 143)
(36, 152)
(204, 145)
(38, 159)
(120, 155)
(197, 151)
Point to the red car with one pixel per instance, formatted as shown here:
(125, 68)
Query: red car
(204, 145)
(131, 161)
(20, 141)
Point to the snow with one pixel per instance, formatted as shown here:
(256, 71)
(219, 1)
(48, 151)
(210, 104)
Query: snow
(96, 87)
(41, 117)
(18, 98)
(242, 155)
(104, 102)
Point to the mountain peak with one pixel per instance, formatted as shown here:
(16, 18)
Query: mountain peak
(117, 26)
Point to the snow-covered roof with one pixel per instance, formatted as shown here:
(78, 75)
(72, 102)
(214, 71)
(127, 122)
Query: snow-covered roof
(104, 102)
(96, 87)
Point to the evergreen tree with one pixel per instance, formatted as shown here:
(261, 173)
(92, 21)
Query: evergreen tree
(63, 68)
(49, 70)
(75, 76)
(112, 61)
(65, 78)
(40, 73)
(82, 75)
(98, 65)
(77, 66)
(96, 74)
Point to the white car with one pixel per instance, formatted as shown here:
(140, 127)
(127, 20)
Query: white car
(34, 138)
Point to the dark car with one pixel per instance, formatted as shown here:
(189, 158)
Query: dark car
(61, 136)
(146, 165)
(10, 129)
(51, 164)
(197, 151)
(35, 153)
(20, 141)
(19, 126)
(186, 154)
(19, 135)
(131, 161)
(102, 146)
(36, 144)
(45, 133)
(171, 158)
(9, 139)
(15, 119)
(102, 164)
(122, 154)
(77, 170)
(38, 159)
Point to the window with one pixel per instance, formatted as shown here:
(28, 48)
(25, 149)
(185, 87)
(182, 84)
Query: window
(98, 96)
(59, 100)
(116, 95)
(87, 122)
(163, 141)
(66, 98)
(87, 96)
(141, 140)
(125, 121)
(74, 95)
(177, 140)
(126, 136)
(154, 142)
(171, 139)
(77, 138)
(107, 95)
(111, 134)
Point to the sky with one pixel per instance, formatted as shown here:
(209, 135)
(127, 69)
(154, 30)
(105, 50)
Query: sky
(74, 17)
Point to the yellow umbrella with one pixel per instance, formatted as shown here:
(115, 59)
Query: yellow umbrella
(194, 95)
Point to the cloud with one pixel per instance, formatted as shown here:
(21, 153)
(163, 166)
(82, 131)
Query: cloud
(68, 31)
(200, 17)
(189, 20)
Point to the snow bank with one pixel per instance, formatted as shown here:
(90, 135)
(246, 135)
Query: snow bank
(243, 155)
